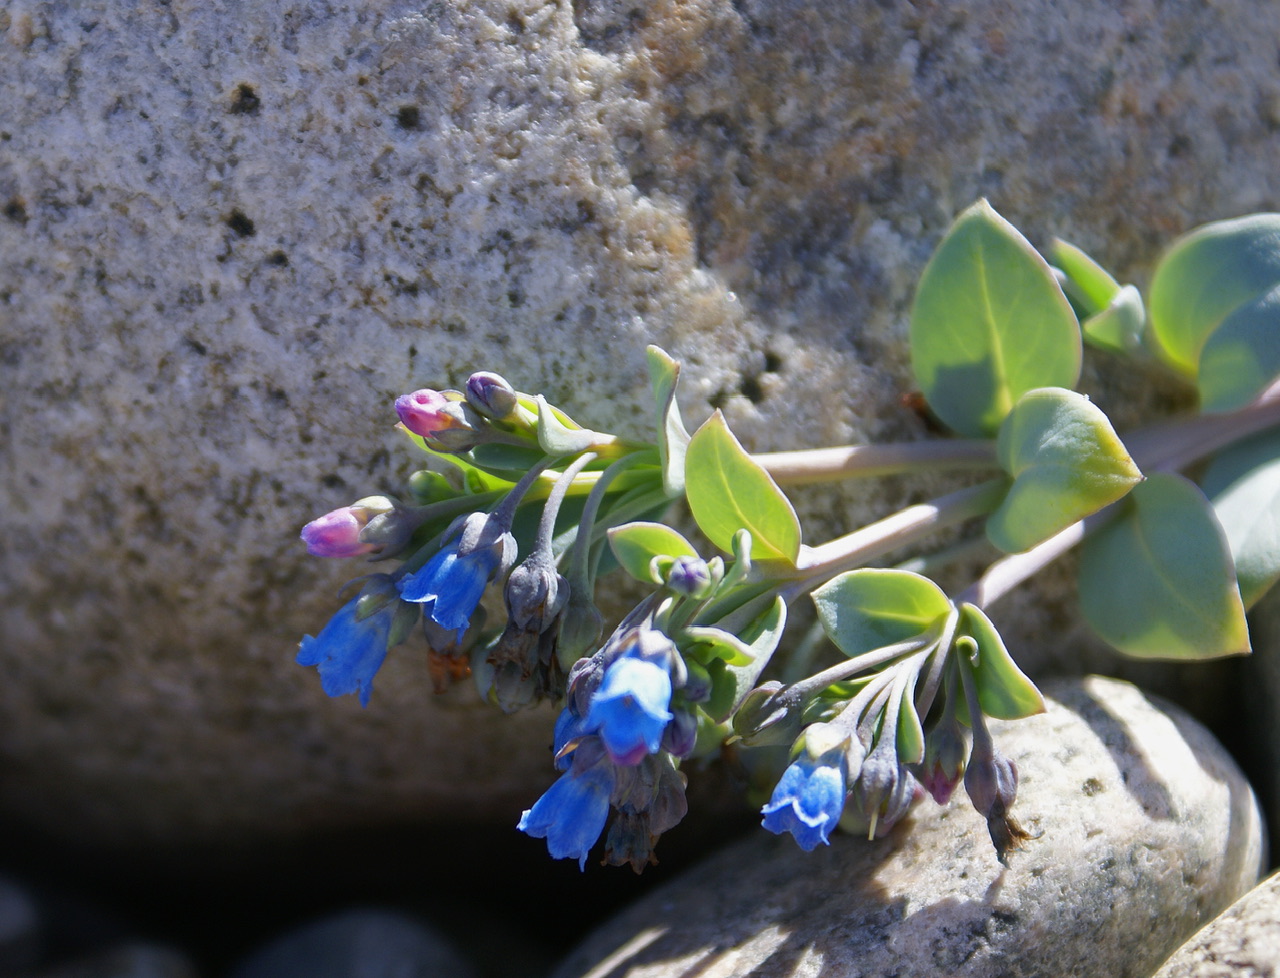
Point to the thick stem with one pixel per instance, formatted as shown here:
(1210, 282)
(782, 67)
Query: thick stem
(855, 549)
(853, 461)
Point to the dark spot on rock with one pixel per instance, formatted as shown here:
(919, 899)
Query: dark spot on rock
(409, 117)
(196, 347)
(278, 258)
(515, 297)
(245, 101)
(772, 362)
(16, 211)
(719, 399)
(1178, 146)
(751, 389)
(332, 481)
(1092, 787)
(241, 224)
(515, 24)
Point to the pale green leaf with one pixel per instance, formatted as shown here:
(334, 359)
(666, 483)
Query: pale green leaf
(730, 683)
(1241, 358)
(1066, 462)
(636, 544)
(1118, 327)
(673, 438)
(1088, 283)
(989, 323)
(1004, 691)
(1243, 484)
(1204, 276)
(728, 491)
(1158, 581)
(872, 607)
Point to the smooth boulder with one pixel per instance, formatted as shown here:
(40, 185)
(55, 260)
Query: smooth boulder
(1143, 826)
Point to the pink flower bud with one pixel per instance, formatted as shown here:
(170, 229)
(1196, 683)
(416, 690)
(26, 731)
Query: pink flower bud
(337, 534)
(424, 413)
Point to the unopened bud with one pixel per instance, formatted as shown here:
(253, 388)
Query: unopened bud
(491, 395)
(681, 734)
(690, 577)
(338, 534)
(945, 753)
(423, 412)
(768, 716)
(992, 784)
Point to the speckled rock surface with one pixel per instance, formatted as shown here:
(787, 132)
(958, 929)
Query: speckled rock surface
(230, 234)
(1145, 829)
(1242, 942)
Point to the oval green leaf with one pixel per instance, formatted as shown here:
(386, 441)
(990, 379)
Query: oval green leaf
(869, 608)
(636, 544)
(989, 323)
(728, 491)
(1243, 483)
(1066, 462)
(1004, 691)
(1204, 276)
(1158, 582)
(1241, 358)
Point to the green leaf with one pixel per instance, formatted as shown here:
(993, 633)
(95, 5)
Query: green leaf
(498, 458)
(673, 437)
(1204, 276)
(1241, 358)
(1243, 483)
(1004, 691)
(869, 608)
(1118, 328)
(556, 437)
(910, 740)
(1066, 461)
(989, 324)
(729, 683)
(729, 491)
(1088, 283)
(474, 478)
(636, 544)
(706, 642)
(1158, 582)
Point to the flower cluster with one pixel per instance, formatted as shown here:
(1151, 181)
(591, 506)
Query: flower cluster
(523, 499)
(618, 742)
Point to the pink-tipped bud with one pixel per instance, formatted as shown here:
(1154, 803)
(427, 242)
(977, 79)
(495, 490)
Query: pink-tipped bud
(337, 534)
(425, 413)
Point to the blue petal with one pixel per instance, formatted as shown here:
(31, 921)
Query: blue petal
(450, 585)
(348, 652)
(571, 814)
(569, 726)
(630, 708)
(808, 800)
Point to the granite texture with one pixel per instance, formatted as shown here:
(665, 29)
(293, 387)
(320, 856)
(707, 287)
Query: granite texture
(1242, 942)
(1143, 829)
(230, 234)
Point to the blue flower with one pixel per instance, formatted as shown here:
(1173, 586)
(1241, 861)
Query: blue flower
(349, 652)
(450, 586)
(808, 799)
(629, 710)
(572, 812)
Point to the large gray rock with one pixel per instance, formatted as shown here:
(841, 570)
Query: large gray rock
(1242, 942)
(230, 234)
(1144, 829)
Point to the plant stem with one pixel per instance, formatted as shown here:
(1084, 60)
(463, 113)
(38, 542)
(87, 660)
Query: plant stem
(872, 541)
(852, 461)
